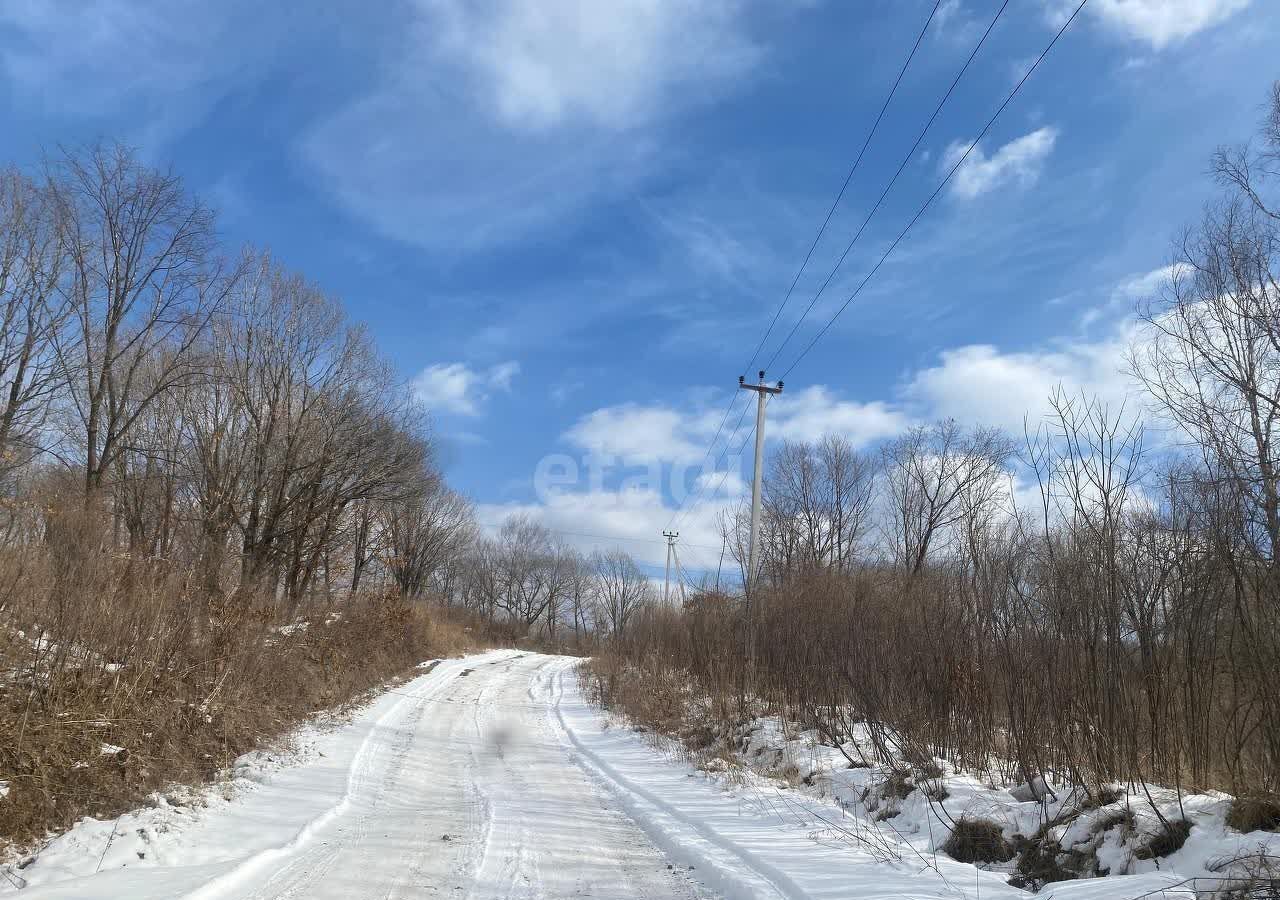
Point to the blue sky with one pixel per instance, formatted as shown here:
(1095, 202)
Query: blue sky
(568, 222)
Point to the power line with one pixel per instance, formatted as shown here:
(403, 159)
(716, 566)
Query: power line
(844, 187)
(812, 247)
(687, 505)
(942, 184)
(888, 187)
(741, 447)
(729, 409)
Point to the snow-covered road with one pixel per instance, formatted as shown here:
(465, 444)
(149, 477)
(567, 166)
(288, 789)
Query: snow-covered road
(490, 777)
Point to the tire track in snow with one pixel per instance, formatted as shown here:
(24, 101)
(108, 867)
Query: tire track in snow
(517, 874)
(736, 871)
(254, 867)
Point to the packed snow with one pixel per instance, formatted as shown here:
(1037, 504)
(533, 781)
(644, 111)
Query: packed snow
(492, 776)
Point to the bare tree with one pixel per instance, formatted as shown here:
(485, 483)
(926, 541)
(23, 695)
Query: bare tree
(934, 474)
(142, 276)
(32, 314)
(1211, 359)
(818, 504)
(534, 571)
(624, 589)
(582, 596)
(422, 531)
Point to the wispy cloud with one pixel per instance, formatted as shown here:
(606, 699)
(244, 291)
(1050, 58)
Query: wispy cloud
(1159, 23)
(1018, 162)
(505, 117)
(613, 65)
(457, 388)
(1131, 292)
(164, 64)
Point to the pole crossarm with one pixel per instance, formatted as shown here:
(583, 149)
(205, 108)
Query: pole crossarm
(761, 387)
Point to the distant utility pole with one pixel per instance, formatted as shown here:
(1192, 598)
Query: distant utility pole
(671, 547)
(762, 392)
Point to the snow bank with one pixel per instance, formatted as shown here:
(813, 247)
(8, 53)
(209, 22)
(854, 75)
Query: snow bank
(1117, 849)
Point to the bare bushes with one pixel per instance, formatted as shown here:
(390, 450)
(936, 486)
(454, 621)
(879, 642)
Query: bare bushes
(1249, 814)
(977, 841)
(112, 688)
(1119, 634)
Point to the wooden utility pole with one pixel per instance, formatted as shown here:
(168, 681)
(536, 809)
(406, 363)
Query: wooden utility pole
(762, 393)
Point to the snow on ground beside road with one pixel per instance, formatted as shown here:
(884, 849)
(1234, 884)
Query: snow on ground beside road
(493, 777)
(789, 775)
(754, 838)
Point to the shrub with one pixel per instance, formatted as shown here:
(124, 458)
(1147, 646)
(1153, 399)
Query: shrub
(1249, 814)
(136, 671)
(978, 841)
(1169, 840)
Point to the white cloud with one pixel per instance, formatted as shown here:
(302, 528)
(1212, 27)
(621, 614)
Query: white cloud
(615, 65)
(721, 483)
(630, 518)
(1159, 23)
(1019, 161)
(639, 435)
(505, 117)
(457, 388)
(979, 383)
(809, 414)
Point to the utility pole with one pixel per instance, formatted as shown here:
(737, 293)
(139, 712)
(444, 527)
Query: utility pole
(762, 393)
(671, 546)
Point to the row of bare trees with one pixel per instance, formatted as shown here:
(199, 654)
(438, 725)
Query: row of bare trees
(176, 406)
(220, 413)
(527, 576)
(1084, 601)
(220, 508)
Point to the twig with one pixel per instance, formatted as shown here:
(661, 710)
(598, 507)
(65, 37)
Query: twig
(111, 837)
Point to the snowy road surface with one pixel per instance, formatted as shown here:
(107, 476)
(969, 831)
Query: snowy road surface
(490, 777)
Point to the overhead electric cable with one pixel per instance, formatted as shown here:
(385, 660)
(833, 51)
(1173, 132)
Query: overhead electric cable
(942, 184)
(813, 246)
(844, 187)
(685, 506)
(888, 187)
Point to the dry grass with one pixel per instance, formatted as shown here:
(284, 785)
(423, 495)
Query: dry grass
(100, 653)
(1249, 814)
(1167, 841)
(977, 841)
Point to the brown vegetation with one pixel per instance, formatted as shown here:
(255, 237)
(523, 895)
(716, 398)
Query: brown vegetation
(123, 692)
